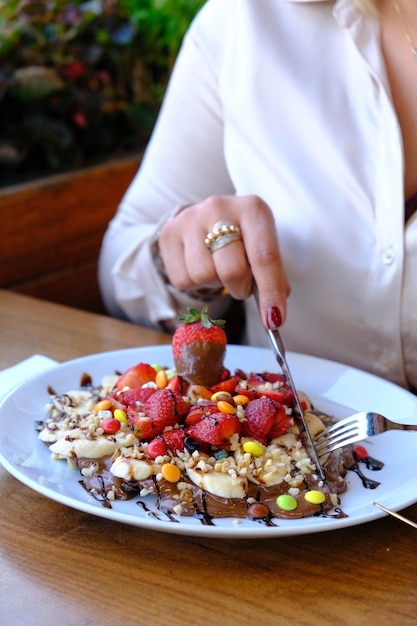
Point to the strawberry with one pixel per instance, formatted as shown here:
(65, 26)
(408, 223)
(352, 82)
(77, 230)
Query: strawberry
(204, 408)
(166, 407)
(174, 439)
(216, 430)
(163, 408)
(199, 346)
(228, 385)
(178, 384)
(133, 397)
(273, 377)
(261, 415)
(143, 427)
(225, 374)
(282, 393)
(251, 394)
(282, 423)
(135, 376)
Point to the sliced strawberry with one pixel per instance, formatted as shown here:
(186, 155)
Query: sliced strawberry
(174, 439)
(261, 416)
(228, 385)
(204, 408)
(166, 407)
(163, 408)
(178, 384)
(216, 430)
(225, 374)
(252, 394)
(273, 377)
(132, 397)
(254, 380)
(282, 424)
(282, 393)
(136, 376)
(143, 427)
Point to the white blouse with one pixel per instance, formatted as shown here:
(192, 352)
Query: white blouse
(288, 100)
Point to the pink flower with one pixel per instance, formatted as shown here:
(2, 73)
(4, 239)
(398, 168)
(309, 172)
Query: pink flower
(74, 70)
(80, 118)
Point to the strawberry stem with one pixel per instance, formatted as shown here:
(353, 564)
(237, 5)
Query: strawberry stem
(194, 315)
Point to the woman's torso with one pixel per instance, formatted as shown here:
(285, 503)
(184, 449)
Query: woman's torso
(310, 126)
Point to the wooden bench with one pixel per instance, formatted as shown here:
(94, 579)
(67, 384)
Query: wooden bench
(51, 232)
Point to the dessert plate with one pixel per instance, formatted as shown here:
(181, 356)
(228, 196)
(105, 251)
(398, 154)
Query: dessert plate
(334, 388)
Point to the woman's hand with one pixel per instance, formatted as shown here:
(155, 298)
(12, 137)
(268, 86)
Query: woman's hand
(191, 265)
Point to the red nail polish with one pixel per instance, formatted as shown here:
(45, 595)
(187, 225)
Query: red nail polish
(273, 317)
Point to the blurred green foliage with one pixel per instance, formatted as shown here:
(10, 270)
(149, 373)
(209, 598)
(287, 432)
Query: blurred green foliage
(82, 81)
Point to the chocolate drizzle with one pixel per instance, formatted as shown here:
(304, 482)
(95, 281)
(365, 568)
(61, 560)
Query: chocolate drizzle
(206, 507)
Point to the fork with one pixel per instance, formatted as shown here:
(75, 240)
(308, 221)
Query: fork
(353, 429)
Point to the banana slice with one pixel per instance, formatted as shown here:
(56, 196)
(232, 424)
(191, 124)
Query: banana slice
(132, 469)
(77, 445)
(288, 441)
(314, 423)
(50, 436)
(219, 484)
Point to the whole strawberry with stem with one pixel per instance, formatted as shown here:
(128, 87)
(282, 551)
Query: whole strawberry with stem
(199, 347)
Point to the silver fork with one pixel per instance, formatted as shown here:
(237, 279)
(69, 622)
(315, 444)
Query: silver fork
(353, 429)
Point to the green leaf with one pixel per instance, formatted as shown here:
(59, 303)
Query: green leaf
(194, 315)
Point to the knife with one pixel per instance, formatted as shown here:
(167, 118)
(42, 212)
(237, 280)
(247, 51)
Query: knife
(301, 423)
(278, 347)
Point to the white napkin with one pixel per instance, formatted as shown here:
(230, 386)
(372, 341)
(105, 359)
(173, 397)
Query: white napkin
(13, 376)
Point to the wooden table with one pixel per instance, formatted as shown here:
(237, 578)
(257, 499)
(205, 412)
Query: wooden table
(61, 566)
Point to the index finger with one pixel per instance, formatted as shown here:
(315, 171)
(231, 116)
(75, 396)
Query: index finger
(262, 249)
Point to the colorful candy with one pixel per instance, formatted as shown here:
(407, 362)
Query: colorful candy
(361, 452)
(226, 407)
(171, 472)
(161, 379)
(254, 448)
(286, 502)
(240, 399)
(156, 448)
(120, 415)
(110, 426)
(315, 497)
(258, 510)
(103, 405)
(220, 395)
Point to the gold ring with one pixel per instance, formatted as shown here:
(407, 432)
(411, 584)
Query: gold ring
(221, 235)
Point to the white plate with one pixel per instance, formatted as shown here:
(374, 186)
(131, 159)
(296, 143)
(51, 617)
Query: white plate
(332, 387)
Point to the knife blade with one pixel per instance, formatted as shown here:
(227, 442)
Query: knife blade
(300, 420)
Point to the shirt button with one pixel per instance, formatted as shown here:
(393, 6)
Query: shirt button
(388, 256)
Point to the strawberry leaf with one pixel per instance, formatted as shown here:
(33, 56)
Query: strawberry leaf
(194, 315)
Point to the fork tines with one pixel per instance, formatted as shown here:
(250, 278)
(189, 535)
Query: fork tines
(338, 435)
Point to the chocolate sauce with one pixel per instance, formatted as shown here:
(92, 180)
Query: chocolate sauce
(351, 462)
(207, 507)
(201, 363)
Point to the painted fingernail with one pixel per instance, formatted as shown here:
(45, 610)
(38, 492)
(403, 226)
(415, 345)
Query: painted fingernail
(273, 317)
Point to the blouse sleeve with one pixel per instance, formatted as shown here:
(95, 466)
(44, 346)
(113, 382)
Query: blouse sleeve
(183, 163)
